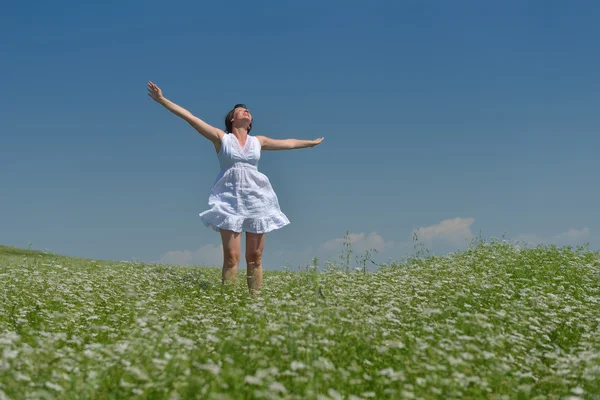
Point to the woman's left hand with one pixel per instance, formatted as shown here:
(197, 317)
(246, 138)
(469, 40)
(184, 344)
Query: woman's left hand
(316, 142)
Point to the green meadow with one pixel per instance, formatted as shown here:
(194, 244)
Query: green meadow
(493, 321)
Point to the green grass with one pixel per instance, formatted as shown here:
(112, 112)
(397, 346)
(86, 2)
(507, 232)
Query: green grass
(493, 322)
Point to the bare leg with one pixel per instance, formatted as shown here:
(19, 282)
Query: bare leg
(232, 248)
(255, 243)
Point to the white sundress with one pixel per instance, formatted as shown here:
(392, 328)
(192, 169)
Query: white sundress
(242, 198)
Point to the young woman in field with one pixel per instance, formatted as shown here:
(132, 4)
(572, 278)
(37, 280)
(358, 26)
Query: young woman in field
(241, 198)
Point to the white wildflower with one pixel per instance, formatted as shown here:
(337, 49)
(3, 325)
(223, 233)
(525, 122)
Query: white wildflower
(8, 354)
(89, 353)
(455, 360)
(323, 364)
(296, 365)
(396, 345)
(184, 341)
(22, 377)
(334, 394)
(277, 387)
(124, 384)
(138, 373)
(578, 390)
(53, 386)
(252, 380)
(212, 338)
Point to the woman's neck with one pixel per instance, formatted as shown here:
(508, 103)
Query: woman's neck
(240, 132)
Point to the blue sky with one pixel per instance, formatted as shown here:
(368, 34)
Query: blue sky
(452, 119)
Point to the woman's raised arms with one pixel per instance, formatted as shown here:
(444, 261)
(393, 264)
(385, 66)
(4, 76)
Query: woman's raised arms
(208, 131)
(267, 143)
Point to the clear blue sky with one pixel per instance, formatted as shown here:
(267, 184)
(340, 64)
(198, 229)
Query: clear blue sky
(454, 118)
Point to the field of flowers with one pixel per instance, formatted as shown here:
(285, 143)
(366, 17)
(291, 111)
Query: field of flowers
(493, 322)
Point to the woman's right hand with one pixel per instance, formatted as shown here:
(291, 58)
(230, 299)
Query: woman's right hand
(154, 92)
(211, 133)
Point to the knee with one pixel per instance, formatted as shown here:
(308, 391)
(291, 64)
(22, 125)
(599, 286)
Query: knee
(231, 257)
(254, 257)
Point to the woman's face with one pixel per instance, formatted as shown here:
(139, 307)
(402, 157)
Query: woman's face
(241, 114)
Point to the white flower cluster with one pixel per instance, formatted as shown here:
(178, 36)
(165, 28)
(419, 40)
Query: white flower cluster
(492, 321)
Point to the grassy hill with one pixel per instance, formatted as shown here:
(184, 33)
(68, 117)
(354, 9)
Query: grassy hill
(495, 321)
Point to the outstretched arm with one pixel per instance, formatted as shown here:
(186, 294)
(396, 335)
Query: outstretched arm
(208, 131)
(286, 144)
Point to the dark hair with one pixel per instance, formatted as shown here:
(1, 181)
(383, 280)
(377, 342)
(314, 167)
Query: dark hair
(229, 116)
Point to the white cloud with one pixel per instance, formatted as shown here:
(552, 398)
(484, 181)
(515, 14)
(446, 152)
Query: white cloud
(529, 239)
(456, 231)
(571, 237)
(207, 255)
(359, 241)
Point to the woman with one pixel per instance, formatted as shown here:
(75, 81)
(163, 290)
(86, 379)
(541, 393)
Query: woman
(241, 198)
